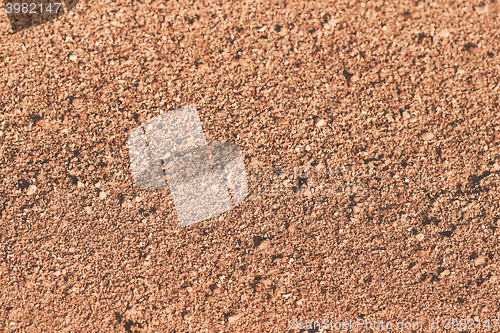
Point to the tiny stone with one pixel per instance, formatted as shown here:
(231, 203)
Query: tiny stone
(445, 273)
(72, 57)
(255, 161)
(279, 121)
(31, 190)
(427, 136)
(80, 184)
(233, 319)
(102, 195)
(266, 282)
(483, 9)
(406, 115)
(88, 209)
(444, 33)
(412, 119)
(493, 279)
(479, 260)
(320, 122)
(264, 245)
(76, 102)
(420, 237)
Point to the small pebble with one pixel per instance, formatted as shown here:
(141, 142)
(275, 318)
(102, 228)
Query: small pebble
(427, 136)
(445, 273)
(31, 190)
(233, 319)
(420, 237)
(279, 121)
(483, 9)
(102, 195)
(479, 260)
(264, 245)
(72, 57)
(445, 33)
(320, 122)
(413, 120)
(266, 282)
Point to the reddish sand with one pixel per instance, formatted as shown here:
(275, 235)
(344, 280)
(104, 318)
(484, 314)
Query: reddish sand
(409, 89)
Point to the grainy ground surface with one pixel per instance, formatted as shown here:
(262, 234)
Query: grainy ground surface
(302, 84)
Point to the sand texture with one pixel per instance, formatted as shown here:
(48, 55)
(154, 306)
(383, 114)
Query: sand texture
(399, 97)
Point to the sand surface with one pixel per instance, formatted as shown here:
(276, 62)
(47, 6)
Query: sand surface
(406, 91)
